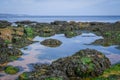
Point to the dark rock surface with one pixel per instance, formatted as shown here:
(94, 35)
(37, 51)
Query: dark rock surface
(51, 42)
(83, 64)
(4, 24)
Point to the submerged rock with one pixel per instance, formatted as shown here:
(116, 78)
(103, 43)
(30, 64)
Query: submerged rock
(51, 42)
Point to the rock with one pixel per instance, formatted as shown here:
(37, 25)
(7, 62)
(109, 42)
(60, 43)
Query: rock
(26, 22)
(43, 72)
(4, 24)
(51, 42)
(8, 54)
(70, 34)
(24, 76)
(46, 32)
(85, 63)
(59, 22)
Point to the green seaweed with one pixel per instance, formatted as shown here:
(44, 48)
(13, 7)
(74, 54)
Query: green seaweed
(11, 70)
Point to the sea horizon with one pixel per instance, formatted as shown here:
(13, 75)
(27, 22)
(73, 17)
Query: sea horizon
(51, 18)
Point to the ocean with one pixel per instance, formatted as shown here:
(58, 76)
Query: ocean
(12, 18)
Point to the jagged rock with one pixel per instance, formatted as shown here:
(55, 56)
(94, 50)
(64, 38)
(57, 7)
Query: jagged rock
(51, 42)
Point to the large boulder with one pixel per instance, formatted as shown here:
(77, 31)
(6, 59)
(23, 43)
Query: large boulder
(85, 63)
(51, 42)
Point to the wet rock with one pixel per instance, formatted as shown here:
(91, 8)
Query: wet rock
(4, 24)
(8, 54)
(51, 42)
(26, 22)
(70, 34)
(43, 72)
(85, 63)
(46, 32)
(59, 22)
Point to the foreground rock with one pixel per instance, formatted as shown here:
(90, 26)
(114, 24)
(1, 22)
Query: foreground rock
(7, 54)
(51, 42)
(83, 64)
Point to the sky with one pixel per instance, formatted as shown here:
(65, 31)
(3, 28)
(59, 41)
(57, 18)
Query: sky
(60, 7)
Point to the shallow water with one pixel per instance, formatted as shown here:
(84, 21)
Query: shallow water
(37, 53)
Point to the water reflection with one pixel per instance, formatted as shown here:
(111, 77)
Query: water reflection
(37, 53)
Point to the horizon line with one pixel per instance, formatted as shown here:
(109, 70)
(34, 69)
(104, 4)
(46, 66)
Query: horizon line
(51, 15)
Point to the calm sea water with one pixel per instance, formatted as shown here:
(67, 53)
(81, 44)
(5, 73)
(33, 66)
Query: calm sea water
(62, 18)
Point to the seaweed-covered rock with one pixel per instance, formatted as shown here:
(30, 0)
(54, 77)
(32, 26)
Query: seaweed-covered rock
(46, 32)
(112, 73)
(51, 42)
(4, 24)
(85, 63)
(8, 54)
(43, 72)
(70, 34)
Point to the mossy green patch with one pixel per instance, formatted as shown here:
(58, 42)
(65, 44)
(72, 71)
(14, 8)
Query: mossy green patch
(112, 73)
(11, 70)
(24, 76)
(86, 60)
(70, 34)
(7, 41)
(29, 32)
(12, 58)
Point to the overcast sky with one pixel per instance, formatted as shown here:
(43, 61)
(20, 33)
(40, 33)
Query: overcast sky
(61, 7)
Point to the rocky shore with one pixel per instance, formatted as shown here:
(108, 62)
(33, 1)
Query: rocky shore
(80, 66)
